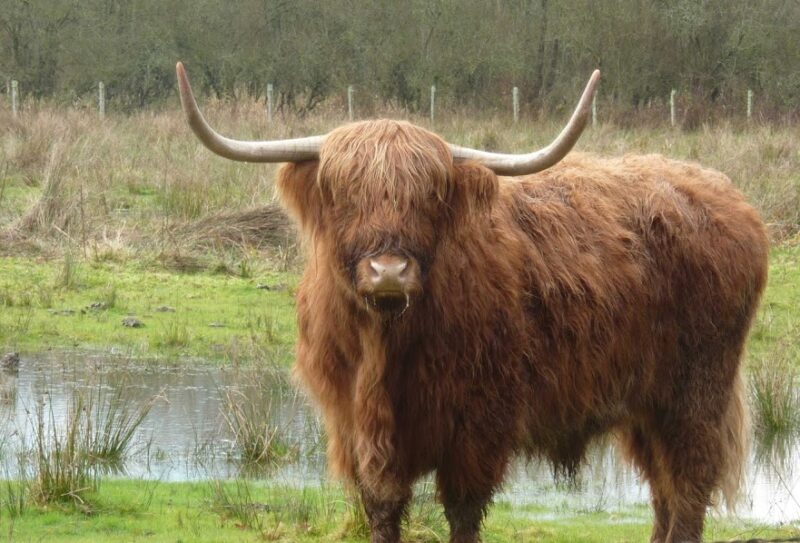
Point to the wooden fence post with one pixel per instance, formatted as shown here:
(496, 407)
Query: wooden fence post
(350, 102)
(14, 96)
(672, 94)
(749, 103)
(515, 102)
(101, 98)
(269, 102)
(433, 102)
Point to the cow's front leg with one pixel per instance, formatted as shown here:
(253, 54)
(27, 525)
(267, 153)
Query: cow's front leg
(384, 514)
(465, 517)
(467, 480)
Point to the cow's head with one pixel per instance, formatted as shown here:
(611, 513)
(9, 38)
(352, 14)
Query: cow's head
(379, 195)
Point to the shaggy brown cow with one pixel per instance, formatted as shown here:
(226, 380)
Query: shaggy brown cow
(451, 318)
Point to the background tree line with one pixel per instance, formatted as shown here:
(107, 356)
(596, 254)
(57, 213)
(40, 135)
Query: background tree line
(393, 51)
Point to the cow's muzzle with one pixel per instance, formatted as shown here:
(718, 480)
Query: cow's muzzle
(388, 283)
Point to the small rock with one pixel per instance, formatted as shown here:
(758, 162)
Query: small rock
(97, 306)
(63, 312)
(165, 309)
(132, 322)
(276, 288)
(216, 325)
(10, 361)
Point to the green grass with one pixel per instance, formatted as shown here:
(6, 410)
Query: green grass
(46, 304)
(40, 309)
(130, 510)
(778, 319)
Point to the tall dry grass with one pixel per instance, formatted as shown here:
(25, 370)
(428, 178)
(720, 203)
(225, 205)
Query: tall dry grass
(128, 185)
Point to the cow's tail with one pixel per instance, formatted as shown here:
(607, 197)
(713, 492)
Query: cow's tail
(735, 430)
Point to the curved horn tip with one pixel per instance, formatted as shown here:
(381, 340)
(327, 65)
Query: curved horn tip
(593, 80)
(180, 70)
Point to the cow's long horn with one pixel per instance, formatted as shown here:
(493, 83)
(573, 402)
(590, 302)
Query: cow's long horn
(294, 150)
(537, 161)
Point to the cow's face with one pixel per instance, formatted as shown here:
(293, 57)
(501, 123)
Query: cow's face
(384, 195)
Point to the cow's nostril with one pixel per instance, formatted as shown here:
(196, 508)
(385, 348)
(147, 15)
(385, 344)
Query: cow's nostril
(376, 268)
(387, 268)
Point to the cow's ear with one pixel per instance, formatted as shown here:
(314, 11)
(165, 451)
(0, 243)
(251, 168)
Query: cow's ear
(474, 187)
(300, 193)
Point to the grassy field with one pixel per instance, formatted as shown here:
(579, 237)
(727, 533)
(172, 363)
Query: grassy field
(237, 511)
(128, 217)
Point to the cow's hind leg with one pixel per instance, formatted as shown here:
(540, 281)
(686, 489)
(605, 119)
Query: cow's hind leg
(642, 450)
(702, 438)
(694, 452)
(681, 462)
(693, 461)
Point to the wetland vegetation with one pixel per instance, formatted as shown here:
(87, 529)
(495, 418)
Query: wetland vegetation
(106, 224)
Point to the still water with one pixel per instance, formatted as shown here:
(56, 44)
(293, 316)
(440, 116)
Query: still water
(185, 435)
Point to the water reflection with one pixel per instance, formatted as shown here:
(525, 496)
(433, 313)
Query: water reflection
(185, 435)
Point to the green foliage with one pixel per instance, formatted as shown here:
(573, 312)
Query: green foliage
(116, 421)
(13, 497)
(234, 500)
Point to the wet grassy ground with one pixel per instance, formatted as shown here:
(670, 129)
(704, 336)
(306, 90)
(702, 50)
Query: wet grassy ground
(227, 315)
(71, 303)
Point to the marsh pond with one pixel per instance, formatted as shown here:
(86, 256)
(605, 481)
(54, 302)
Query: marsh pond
(193, 415)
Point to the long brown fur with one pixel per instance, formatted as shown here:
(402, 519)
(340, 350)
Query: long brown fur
(599, 295)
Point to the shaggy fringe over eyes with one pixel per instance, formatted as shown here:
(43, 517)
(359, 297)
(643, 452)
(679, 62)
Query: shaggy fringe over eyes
(382, 162)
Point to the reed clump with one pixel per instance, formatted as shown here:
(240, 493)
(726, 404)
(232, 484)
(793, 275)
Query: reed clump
(260, 427)
(70, 452)
(775, 392)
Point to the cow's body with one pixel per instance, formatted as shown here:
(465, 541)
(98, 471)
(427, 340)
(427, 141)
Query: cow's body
(597, 295)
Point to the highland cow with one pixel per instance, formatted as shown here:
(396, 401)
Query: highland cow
(461, 307)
